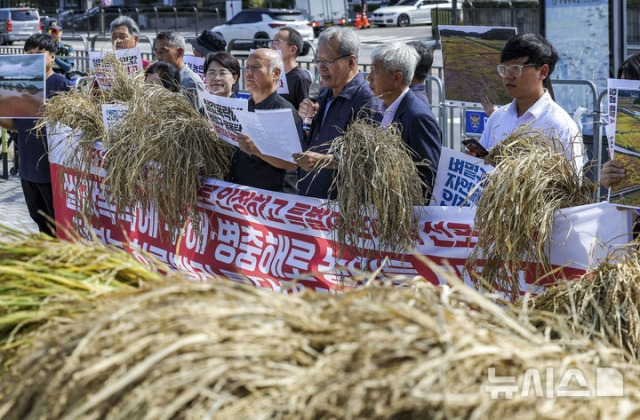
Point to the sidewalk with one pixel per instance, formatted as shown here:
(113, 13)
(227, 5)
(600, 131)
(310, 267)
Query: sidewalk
(13, 210)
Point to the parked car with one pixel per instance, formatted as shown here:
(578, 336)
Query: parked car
(407, 12)
(253, 28)
(18, 24)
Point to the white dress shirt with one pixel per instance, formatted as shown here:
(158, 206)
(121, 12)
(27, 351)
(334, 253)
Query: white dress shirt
(388, 112)
(545, 115)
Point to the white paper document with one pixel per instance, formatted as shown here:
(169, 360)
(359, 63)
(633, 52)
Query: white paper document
(273, 132)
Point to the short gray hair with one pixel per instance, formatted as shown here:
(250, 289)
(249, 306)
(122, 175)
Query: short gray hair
(174, 39)
(275, 60)
(125, 21)
(346, 37)
(397, 56)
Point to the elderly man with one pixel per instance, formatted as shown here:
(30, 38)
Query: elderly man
(289, 42)
(248, 165)
(392, 68)
(125, 35)
(169, 47)
(344, 94)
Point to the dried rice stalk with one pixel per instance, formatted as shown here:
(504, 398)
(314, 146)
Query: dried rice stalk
(157, 156)
(531, 181)
(378, 186)
(40, 277)
(160, 154)
(602, 303)
(228, 351)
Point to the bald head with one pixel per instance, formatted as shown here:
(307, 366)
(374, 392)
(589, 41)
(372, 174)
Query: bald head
(262, 73)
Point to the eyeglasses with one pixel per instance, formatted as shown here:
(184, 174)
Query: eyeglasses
(221, 74)
(276, 42)
(514, 70)
(53, 31)
(327, 63)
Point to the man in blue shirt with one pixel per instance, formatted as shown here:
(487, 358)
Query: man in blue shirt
(35, 175)
(344, 93)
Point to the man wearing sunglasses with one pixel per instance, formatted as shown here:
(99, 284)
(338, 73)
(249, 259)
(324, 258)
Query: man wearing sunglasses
(526, 62)
(64, 59)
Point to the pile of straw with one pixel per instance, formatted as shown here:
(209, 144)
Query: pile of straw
(158, 156)
(377, 186)
(40, 278)
(603, 304)
(229, 351)
(531, 181)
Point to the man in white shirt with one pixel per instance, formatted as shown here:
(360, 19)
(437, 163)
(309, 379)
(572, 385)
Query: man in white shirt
(526, 61)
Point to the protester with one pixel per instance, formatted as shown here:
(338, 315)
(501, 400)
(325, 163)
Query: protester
(125, 35)
(425, 60)
(526, 61)
(64, 59)
(344, 94)
(222, 71)
(290, 43)
(35, 175)
(612, 171)
(392, 68)
(208, 42)
(248, 165)
(164, 74)
(169, 47)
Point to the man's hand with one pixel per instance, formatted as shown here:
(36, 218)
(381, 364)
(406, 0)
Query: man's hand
(612, 172)
(309, 160)
(247, 145)
(307, 109)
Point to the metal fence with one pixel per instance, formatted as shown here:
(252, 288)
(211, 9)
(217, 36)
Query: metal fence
(525, 19)
(97, 20)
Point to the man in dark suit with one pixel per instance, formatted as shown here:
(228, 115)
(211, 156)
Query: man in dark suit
(392, 67)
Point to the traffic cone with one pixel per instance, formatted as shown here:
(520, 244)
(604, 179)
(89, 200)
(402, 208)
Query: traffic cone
(365, 20)
(358, 21)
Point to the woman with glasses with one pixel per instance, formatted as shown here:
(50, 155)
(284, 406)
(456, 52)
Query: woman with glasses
(222, 71)
(526, 62)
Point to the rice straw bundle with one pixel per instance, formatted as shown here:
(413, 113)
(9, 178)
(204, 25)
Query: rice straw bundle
(603, 303)
(378, 186)
(160, 154)
(531, 181)
(230, 351)
(40, 276)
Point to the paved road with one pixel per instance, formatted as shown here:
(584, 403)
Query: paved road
(13, 210)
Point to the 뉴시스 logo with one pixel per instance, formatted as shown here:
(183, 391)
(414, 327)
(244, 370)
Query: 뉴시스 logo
(570, 382)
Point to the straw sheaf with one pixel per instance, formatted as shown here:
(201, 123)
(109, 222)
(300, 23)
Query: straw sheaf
(604, 303)
(378, 187)
(532, 179)
(158, 156)
(41, 277)
(230, 351)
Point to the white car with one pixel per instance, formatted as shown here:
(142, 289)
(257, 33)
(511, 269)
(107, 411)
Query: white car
(253, 28)
(407, 12)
